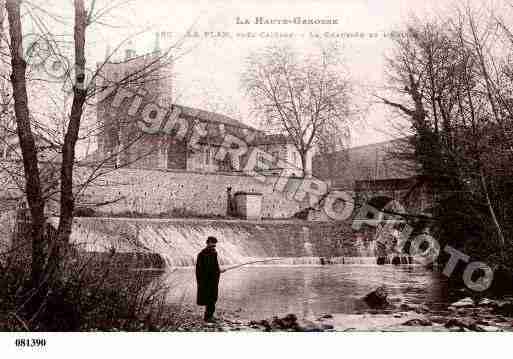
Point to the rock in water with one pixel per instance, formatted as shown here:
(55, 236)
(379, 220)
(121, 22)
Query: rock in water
(418, 308)
(485, 302)
(381, 260)
(262, 323)
(288, 322)
(465, 302)
(462, 323)
(377, 299)
(308, 326)
(488, 328)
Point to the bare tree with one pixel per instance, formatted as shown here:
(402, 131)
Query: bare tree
(58, 180)
(309, 99)
(27, 142)
(450, 81)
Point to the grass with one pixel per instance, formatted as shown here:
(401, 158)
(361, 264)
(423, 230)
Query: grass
(92, 294)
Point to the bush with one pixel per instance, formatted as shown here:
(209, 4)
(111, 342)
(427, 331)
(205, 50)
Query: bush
(92, 293)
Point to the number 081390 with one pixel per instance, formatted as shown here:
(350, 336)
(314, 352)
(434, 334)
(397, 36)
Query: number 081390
(30, 342)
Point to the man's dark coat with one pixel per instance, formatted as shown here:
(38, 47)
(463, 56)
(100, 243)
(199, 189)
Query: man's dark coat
(207, 276)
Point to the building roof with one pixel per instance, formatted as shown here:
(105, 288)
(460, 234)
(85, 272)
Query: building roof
(374, 161)
(272, 139)
(213, 117)
(186, 110)
(375, 145)
(113, 61)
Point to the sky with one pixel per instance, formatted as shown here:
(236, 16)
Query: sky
(208, 68)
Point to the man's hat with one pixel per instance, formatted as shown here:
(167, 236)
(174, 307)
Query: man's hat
(211, 239)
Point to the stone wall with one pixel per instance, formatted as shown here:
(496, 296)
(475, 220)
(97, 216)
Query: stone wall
(415, 196)
(162, 192)
(154, 192)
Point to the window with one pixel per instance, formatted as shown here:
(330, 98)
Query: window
(206, 150)
(260, 161)
(263, 162)
(208, 154)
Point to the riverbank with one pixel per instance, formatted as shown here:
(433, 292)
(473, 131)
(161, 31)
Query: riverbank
(463, 316)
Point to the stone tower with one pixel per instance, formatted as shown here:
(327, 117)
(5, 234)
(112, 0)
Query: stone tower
(119, 138)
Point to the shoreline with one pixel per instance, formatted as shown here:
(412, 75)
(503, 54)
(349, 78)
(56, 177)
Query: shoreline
(461, 316)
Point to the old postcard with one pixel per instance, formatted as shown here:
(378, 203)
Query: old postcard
(255, 166)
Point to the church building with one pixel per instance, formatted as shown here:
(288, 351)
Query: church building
(121, 142)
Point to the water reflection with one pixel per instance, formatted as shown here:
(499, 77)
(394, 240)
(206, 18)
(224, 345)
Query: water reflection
(263, 291)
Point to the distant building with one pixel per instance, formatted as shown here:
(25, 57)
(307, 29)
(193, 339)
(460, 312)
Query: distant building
(373, 162)
(282, 147)
(121, 143)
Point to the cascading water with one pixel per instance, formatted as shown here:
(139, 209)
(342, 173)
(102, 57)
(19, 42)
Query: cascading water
(179, 245)
(179, 241)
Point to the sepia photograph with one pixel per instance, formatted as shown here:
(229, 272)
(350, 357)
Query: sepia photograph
(254, 167)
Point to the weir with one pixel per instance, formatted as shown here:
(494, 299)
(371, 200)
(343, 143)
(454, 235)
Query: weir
(178, 241)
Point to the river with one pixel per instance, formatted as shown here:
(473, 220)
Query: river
(296, 283)
(262, 291)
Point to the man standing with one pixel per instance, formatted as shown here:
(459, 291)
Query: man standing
(207, 278)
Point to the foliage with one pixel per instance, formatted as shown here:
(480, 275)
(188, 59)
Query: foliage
(451, 80)
(96, 292)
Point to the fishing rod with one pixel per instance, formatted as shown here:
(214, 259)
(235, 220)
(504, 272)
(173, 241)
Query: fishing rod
(252, 262)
